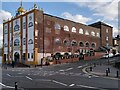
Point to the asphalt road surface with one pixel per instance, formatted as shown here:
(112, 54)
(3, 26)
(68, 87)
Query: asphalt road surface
(68, 75)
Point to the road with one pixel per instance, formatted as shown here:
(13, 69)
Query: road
(68, 75)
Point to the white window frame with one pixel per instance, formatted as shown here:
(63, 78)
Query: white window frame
(57, 26)
(107, 31)
(87, 33)
(66, 28)
(74, 29)
(107, 38)
(81, 31)
(93, 33)
(98, 34)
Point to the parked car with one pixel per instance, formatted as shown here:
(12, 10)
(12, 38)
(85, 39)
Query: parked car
(108, 55)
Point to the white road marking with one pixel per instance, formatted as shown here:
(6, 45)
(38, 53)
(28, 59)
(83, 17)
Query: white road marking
(71, 85)
(71, 73)
(79, 66)
(6, 85)
(28, 78)
(76, 74)
(17, 76)
(59, 83)
(56, 72)
(89, 76)
(61, 70)
(95, 76)
(86, 86)
(62, 73)
(91, 87)
(40, 68)
(13, 76)
(9, 75)
(19, 73)
(44, 80)
(68, 69)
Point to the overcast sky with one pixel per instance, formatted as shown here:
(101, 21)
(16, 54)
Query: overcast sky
(86, 12)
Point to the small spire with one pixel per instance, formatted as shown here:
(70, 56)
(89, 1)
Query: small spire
(21, 3)
(20, 10)
(35, 5)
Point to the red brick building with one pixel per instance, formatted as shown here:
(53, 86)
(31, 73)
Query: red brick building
(32, 35)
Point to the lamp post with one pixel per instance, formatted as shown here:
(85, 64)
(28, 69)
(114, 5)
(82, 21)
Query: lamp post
(43, 38)
(108, 61)
(108, 56)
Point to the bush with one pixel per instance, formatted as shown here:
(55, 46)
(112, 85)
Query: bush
(0, 51)
(117, 64)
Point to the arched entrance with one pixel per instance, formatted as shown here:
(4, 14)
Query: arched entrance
(16, 57)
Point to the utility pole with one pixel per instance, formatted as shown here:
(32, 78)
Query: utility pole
(42, 37)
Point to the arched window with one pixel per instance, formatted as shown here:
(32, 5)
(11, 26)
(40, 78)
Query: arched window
(24, 41)
(74, 43)
(86, 32)
(24, 25)
(16, 28)
(93, 33)
(57, 41)
(93, 45)
(57, 26)
(81, 31)
(10, 29)
(66, 42)
(98, 35)
(66, 28)
(30, 41)
(16, 42)
(81, 44)
(10, 43)
(5, 31)
(74, 29)
(30, 24)
(5, 45)
(87, 44)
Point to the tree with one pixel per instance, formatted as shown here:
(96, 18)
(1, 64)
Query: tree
(0, 51)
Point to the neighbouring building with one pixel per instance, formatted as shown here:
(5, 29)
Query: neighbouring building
(32, 35)
(105, 33)
(116, 43)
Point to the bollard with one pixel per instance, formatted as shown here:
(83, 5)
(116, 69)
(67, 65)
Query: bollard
(90, 68)
(89, 76)
(117, 74)
(94, 64)
(106, 72)
(15, 85)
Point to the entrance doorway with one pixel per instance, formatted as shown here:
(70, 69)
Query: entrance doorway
(5, 56)
(16, 57)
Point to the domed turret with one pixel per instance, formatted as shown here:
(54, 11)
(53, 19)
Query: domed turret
(20, 10)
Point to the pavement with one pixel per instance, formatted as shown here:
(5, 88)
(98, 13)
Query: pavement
(69, 75)
(100, 70)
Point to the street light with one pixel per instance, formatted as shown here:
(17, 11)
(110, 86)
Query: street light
(43, 38)
(108, 55)
(108, 61)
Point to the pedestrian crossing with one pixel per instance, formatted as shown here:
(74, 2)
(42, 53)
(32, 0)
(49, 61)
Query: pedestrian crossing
(41, 72)
(52, 73)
